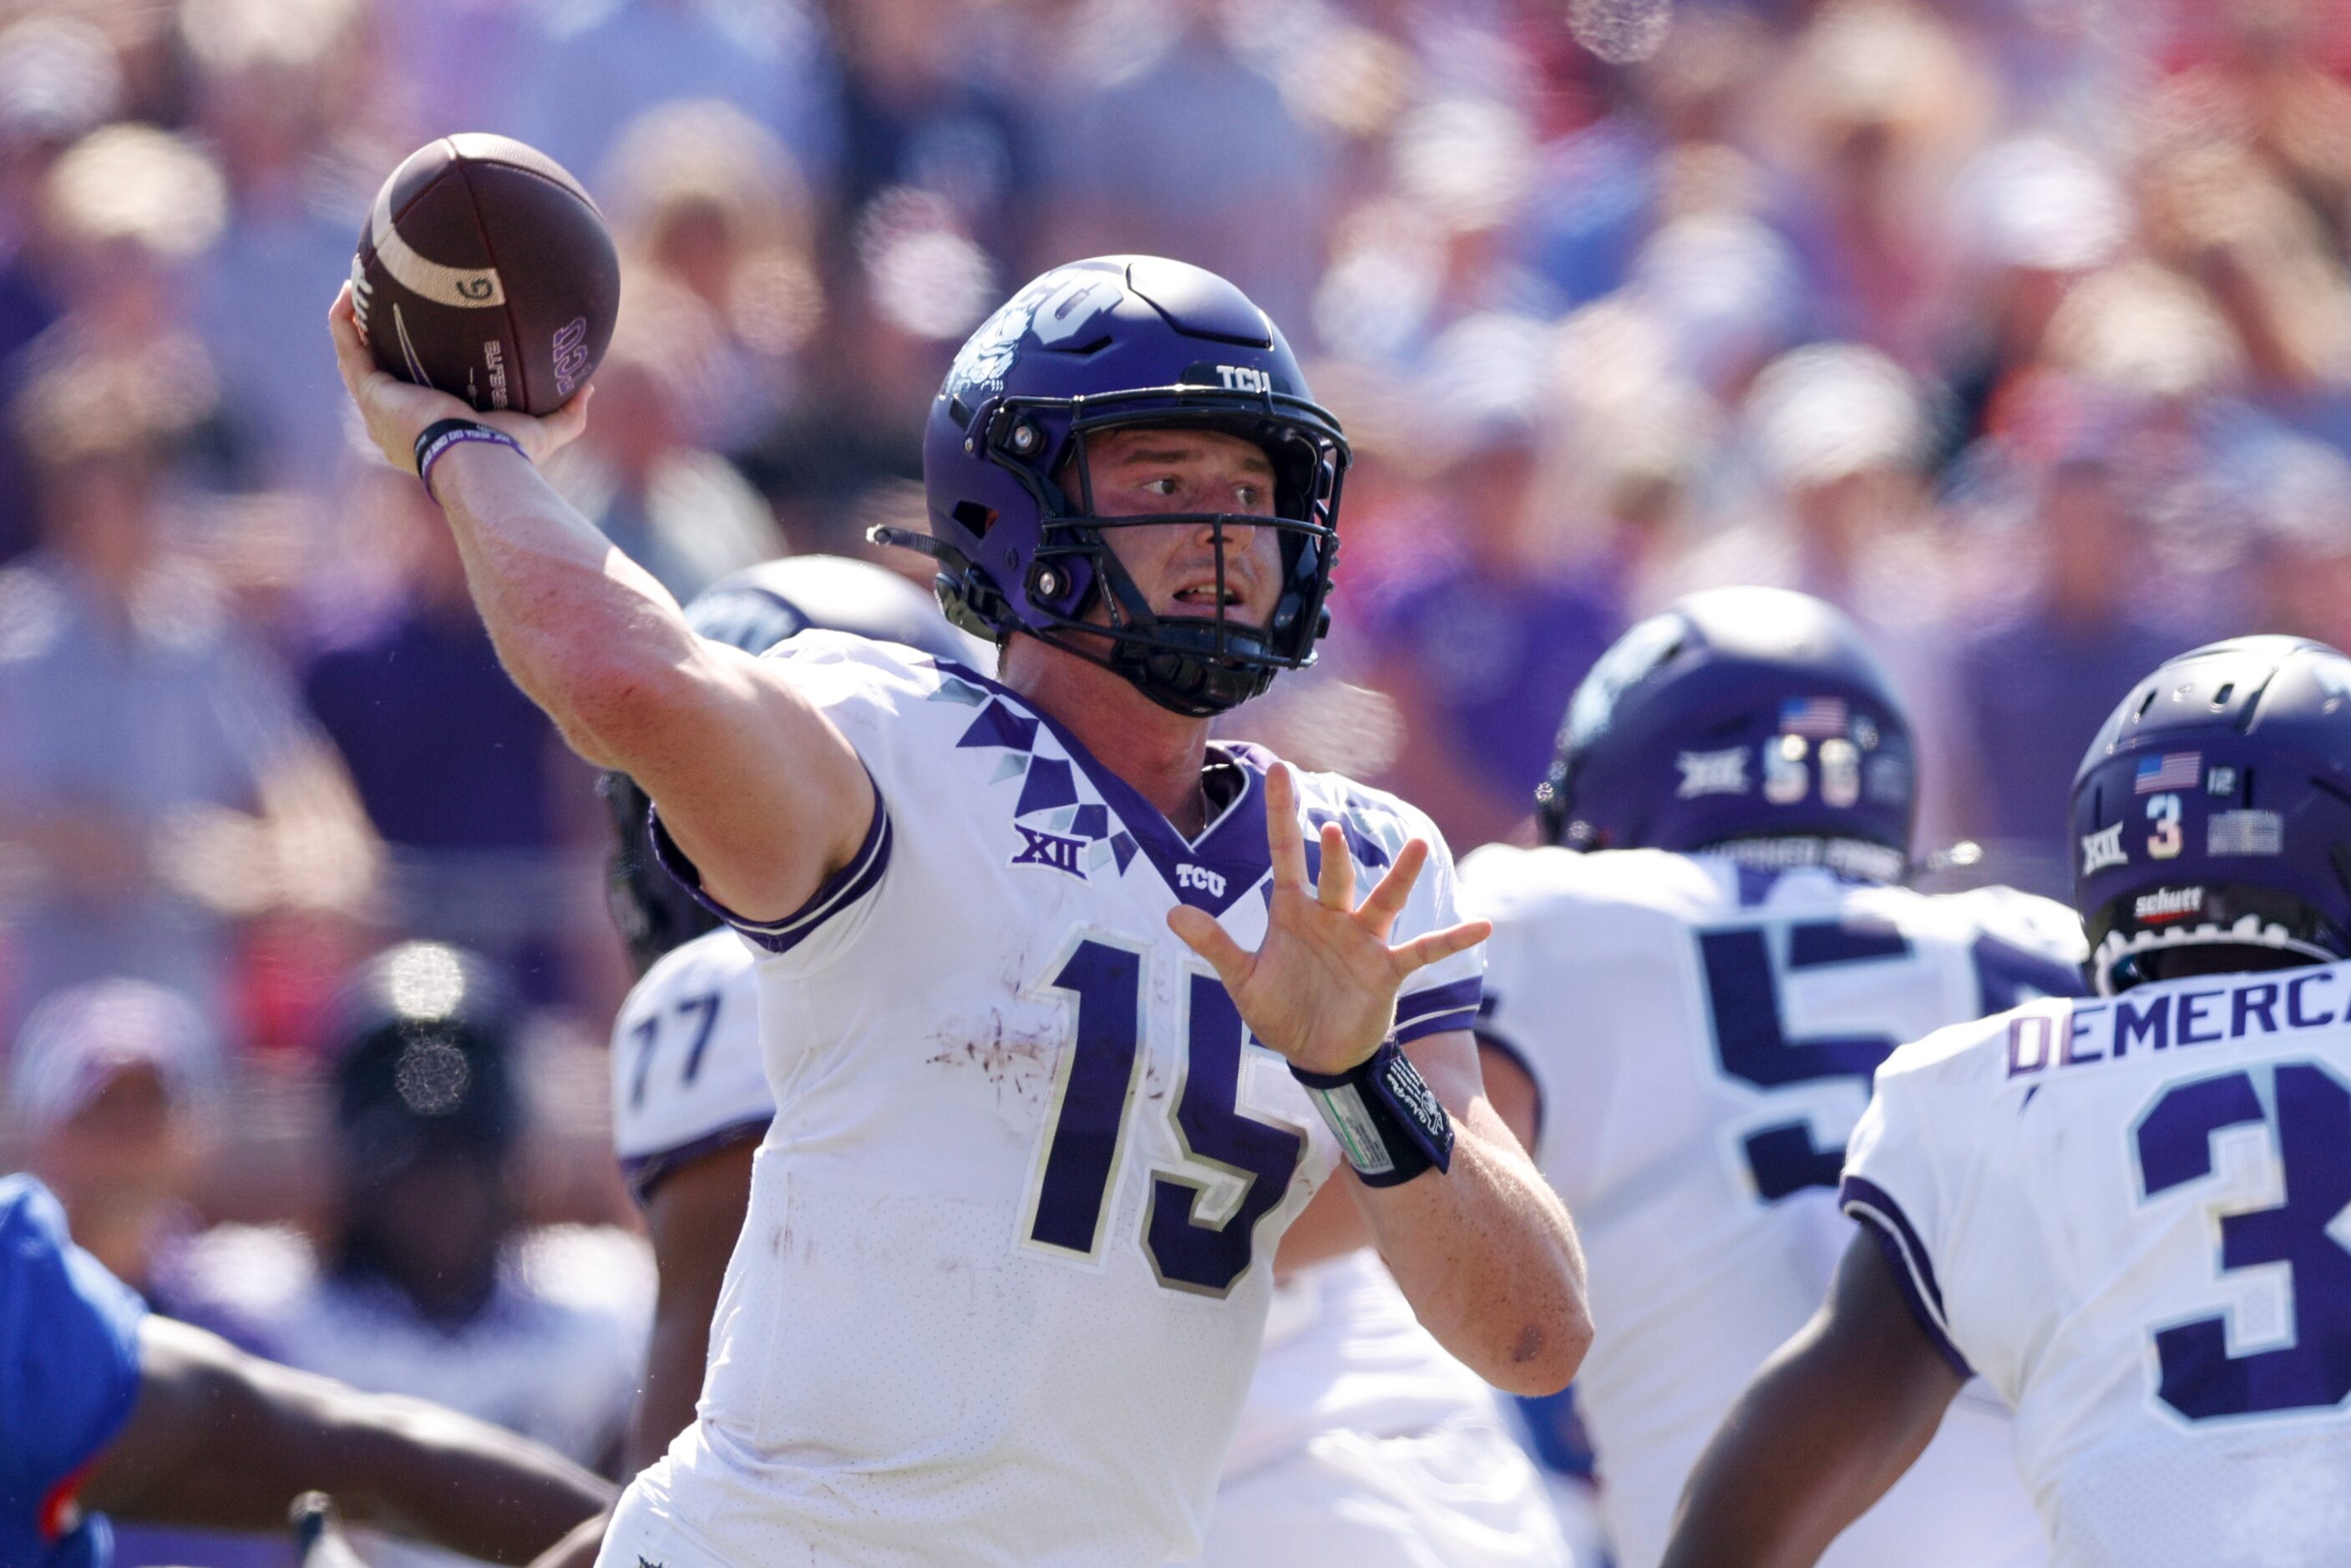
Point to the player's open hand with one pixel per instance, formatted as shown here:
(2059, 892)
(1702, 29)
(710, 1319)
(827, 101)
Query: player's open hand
(397, 412)
(1322, 990)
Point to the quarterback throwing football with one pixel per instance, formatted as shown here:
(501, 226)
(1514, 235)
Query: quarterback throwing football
(1053, 989)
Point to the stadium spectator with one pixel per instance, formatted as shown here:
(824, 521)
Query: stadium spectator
(599, 64)
(158, 783)
(278, 83)
(427, 1281)
(403, 671)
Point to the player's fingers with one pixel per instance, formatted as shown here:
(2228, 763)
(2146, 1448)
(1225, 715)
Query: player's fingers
(1285, 844)
(1387, 899)
(1211, 941)
(1336, 886)
(350, 355)
(1422, 952)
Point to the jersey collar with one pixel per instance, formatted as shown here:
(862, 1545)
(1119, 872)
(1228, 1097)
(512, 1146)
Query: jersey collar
(1210, 872)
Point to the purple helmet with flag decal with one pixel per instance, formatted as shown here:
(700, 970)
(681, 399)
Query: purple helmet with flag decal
(1101, 345)
(1750, 716)
(2214, 809)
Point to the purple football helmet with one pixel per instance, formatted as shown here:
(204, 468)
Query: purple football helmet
(1102, 345)
(1734, 715)
(2214, 809)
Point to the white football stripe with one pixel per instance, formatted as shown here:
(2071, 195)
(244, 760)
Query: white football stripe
(455, 285)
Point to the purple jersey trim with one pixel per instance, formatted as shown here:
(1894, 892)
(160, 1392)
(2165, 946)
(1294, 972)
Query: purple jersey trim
(1906, 1255)
(839, 892)
(1437, 1009)
(1233, 845)
(644, 1172)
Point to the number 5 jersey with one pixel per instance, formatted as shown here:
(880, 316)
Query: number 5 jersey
(2132, 1216)
(1703, 1034)
(1009, 1247)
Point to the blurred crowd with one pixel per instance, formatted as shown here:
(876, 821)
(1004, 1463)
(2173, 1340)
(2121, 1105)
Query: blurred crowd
(2018, 328)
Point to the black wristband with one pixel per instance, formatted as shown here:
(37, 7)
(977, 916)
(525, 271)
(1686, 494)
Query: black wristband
(435, 439)
(1389, 1123)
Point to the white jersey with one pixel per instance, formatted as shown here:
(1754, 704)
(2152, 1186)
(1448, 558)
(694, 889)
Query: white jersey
(689, 1077)
(1703, 1035)
(1008, 1253)
(1364, 1442)
(2133, 1216)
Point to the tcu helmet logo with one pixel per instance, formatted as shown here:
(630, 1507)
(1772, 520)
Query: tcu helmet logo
(1243, 379)
(571, 355)
(1210, 882)
(1057, 305)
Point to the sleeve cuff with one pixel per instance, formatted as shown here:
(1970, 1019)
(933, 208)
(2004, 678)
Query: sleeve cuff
(644, 1172)
(1906, 1254)
(841, 891)
(1438, 1009)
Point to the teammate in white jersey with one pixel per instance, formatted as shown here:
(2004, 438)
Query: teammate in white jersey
(1701, 972)
(2131, 1215)
(1035, 956)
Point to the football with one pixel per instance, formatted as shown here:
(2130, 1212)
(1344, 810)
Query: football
(485, 271)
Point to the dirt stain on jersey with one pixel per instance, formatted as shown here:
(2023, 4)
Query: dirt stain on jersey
(1018, 1063)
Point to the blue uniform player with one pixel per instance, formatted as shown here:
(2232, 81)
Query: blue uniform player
(106, 1407)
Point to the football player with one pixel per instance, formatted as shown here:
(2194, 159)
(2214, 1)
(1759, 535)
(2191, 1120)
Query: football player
(1701, 972)
(106, 1407)
(1353, 1402)
(1034, 955)
(2131, 1214)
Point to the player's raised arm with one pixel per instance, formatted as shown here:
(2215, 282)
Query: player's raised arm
(1829, 1424)
(761, 792)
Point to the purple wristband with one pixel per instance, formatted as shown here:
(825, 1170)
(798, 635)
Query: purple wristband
(437, 438)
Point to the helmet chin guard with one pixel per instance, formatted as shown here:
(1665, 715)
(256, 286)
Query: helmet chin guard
(1115, 342)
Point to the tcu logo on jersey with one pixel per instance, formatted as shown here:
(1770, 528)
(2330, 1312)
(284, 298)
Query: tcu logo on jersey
(1242, 378)
(1210, 882)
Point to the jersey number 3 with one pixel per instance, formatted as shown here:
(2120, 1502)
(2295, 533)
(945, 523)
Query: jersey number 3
(2308, 1114)
(1199, 1229)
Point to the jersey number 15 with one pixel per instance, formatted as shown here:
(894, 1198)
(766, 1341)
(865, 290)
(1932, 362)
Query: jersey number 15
(1198, 1230)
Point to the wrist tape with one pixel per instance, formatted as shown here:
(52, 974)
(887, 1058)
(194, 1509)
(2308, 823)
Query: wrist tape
(1388, 1122)
(435, 440)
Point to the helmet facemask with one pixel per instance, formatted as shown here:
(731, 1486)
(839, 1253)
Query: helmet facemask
(1194, 665)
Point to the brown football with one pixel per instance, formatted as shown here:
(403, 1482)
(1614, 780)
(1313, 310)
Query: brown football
(485, 271)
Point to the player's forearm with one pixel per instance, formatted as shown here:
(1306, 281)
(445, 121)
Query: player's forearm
(1781, 1479)
(586, 632)
(1488, 1258)
(446, 1479)
(221, 1439)
(1830, 1422)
